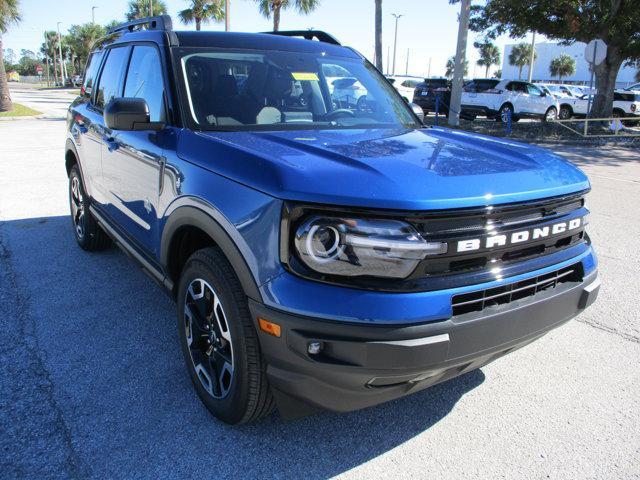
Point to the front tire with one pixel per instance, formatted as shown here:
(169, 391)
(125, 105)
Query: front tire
(219, 341)
(88, 233)
(551, 114)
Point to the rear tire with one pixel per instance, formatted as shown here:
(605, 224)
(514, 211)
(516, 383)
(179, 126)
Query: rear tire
(504, 113)
(565, 113)
(219, 341)
(88, 233)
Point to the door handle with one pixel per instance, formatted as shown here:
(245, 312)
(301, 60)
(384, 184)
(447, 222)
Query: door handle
(110, 142)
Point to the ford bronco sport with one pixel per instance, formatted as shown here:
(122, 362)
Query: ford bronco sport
(323, 255)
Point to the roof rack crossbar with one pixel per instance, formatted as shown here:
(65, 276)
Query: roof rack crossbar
(161, 22)
(308, 35)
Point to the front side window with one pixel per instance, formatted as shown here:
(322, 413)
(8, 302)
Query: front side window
(92, 70)
(278, 90)
(144, 80)
(533, 90)
(112, 76)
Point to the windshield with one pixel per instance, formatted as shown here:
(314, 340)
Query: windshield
(277, 90)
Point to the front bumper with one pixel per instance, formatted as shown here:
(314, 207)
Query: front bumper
(360, 365)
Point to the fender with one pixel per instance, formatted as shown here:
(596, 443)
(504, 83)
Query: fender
(189, 211)
(70, 146)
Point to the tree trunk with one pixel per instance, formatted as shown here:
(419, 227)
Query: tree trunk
(378, 35)
(519, 72)
(5, 98)
(55, 70)
(198, 23)
(486, 71)
(606, 74)
(276, 17)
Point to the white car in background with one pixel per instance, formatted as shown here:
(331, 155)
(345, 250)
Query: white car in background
(509, 98)
(633, 88)
(625, 104)
(405, 85)
(563, 90)
(346, 92)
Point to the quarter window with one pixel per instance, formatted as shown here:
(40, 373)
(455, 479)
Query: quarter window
(144, 80)
(112, 76)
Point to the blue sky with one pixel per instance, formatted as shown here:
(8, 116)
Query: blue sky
(428, 27)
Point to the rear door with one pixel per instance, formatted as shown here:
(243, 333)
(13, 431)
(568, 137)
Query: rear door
(86, 126)
(133, 161)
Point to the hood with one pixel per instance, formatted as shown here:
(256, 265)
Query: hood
(434, 168)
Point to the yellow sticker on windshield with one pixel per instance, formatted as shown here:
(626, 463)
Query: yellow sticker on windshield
(305, 76)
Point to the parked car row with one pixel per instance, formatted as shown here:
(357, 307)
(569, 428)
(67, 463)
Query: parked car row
(504, 100)
(516, 99)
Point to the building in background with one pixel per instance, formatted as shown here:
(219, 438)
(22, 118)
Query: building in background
(547, 52)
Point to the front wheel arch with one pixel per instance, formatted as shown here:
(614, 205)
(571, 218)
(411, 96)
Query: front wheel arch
(191, 217)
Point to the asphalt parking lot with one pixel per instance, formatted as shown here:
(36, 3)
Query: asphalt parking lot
(92, 382)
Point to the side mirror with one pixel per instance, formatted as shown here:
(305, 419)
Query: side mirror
(544, 94)
(417, 109)
(129, 114)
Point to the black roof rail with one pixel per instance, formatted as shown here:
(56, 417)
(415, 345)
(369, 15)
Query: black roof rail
(308, 35)
(162, 22)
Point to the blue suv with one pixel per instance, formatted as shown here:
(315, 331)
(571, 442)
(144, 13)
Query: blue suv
(325, 251)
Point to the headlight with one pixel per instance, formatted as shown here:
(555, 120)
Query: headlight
(362, 247)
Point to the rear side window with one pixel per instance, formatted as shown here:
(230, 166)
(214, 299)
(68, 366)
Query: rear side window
(110, 85)
(624, 97)
(144, 80)
(92, 71)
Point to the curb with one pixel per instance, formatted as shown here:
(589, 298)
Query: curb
(31, 117)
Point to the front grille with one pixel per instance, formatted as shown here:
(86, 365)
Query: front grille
(493, 297)
(500, 220)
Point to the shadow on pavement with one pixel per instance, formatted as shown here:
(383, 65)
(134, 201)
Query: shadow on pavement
(93, 381)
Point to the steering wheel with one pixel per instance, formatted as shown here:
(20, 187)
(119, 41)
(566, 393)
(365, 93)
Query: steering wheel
(336, 113)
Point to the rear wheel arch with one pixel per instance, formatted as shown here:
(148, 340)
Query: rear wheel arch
(189, 229)
(71, 157)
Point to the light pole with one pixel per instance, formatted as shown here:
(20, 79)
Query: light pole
(63, 69)
(533, 56)
(388, 62)
(227, 15)
(395, 42)
(151, 8)
(406, 70)
(93, 14)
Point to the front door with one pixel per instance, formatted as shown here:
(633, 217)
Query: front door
(132, 161)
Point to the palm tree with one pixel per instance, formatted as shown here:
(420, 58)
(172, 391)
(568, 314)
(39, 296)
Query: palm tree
(202, 11)
(451, 66)
(378, 34)
(520, 56)
(562, 66)
(274, 7)
(489, 55)
(140, 9)
(9, 14)
(80, 40)
(50, 50)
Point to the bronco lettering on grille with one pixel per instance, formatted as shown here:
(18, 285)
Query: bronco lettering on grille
(471, 244)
